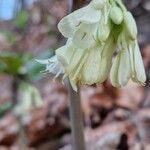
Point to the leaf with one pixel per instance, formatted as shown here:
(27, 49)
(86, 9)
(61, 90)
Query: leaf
(10, 63)
(21, 19)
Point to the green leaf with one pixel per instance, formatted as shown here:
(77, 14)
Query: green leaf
(21, 19)
(10, 63)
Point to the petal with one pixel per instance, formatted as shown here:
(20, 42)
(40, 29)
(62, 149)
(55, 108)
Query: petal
(84, 36)
(114, 71)
(65, 53)
(138, 64)
(52, 65)
(124, 71)
(73, 84)
(69, 24)
(92, 66)
(106, 60)
(103, 30)
(75, 62)
(130, 25)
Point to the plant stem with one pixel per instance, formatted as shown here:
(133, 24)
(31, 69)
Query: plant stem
(76, 118)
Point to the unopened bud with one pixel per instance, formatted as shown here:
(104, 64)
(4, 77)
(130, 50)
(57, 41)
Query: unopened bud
(116, 15)
(130, 25)
(98, 4)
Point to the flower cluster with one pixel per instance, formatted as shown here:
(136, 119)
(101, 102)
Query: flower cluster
(94, 33)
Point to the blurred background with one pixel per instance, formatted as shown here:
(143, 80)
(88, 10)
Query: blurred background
(34, 110)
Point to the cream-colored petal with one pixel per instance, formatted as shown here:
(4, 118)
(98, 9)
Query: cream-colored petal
(114, 71)
(130, 25)
(140, 75)
(124, 71)
(84, 36)
(75, 61)
(69, 24)
(64, 54)
(91, 68)
(106, 59)
(73, 84)
(103, 30)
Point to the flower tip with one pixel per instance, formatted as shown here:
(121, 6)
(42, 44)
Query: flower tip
(116, 15)
(98, 4)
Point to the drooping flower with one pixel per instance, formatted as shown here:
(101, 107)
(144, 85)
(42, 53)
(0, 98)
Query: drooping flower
(94, 32)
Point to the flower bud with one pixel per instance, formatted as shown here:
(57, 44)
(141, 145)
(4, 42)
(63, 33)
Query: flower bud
(98, 4)
(116, 15)
(130, 25)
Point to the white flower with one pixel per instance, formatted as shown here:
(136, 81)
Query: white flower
(94, 32)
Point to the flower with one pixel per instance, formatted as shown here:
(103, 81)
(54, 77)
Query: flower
(94, 33)
(86, 66)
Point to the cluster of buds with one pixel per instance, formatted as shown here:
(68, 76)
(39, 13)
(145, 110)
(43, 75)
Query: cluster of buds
(94, 33)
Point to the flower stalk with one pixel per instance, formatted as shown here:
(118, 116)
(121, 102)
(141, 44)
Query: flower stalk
(75, 109)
